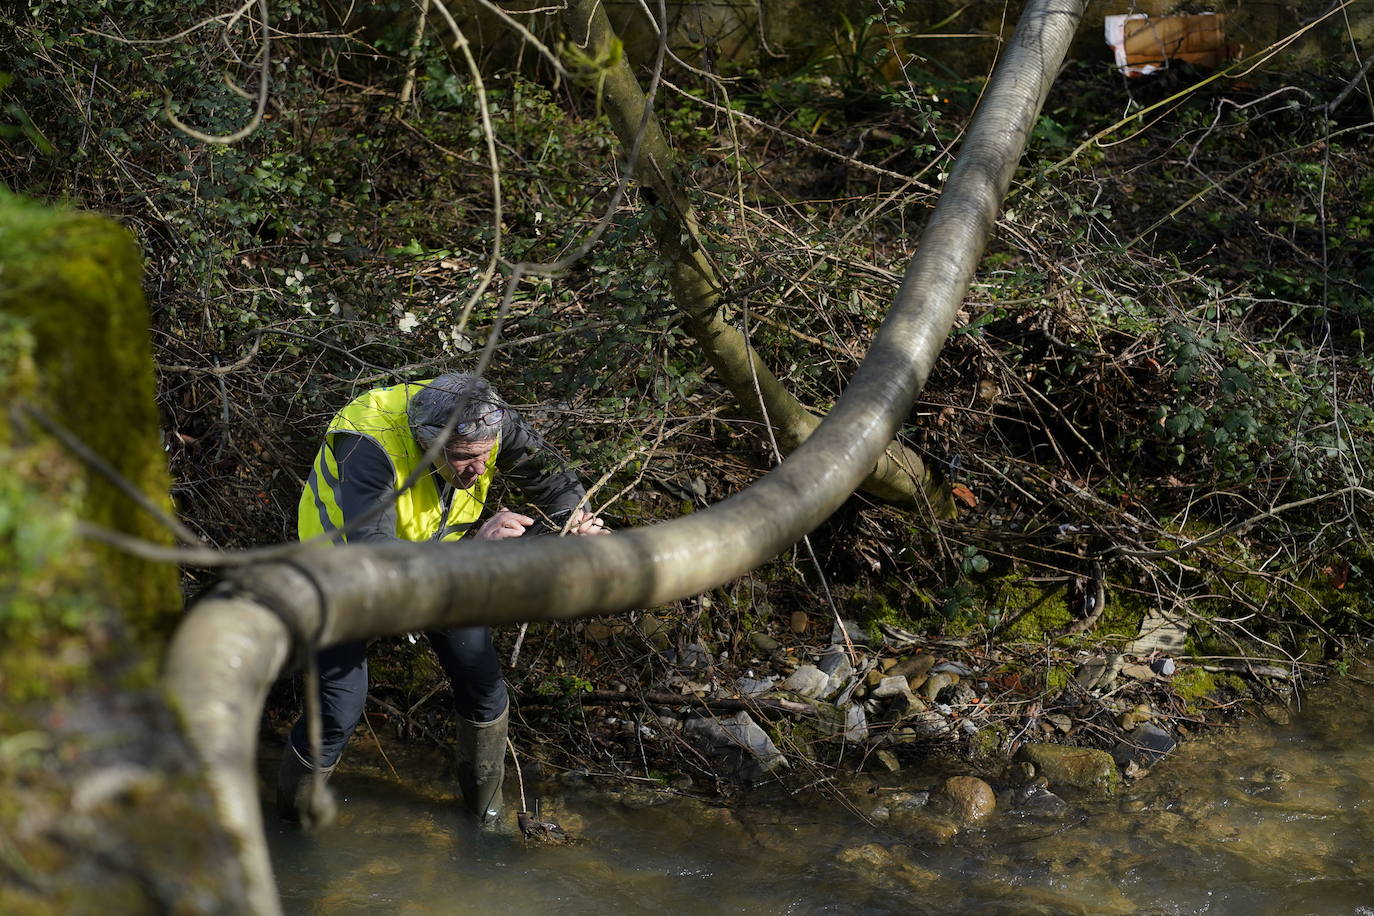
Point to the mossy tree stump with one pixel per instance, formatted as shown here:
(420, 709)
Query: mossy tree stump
(102, 808)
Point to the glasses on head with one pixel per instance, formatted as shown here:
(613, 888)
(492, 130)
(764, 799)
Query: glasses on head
(490, 418)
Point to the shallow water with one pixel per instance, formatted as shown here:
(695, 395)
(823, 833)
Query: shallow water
(1262, 819)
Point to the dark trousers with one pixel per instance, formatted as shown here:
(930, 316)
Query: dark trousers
(466, 655)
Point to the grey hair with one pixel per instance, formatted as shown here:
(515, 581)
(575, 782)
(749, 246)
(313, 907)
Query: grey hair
(465, 399)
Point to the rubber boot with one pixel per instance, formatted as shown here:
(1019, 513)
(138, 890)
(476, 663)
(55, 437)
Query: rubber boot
(297, 800)
(482, 766)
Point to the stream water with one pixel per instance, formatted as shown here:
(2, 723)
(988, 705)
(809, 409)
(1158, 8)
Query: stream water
(1261, 819)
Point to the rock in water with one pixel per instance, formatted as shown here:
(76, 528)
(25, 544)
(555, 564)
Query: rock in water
(1146, 745)
(970, 799)
(1082, 768)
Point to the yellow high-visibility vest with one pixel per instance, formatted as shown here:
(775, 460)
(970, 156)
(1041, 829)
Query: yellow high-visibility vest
(380, 415)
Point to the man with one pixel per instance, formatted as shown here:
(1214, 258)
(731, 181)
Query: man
(371, 449)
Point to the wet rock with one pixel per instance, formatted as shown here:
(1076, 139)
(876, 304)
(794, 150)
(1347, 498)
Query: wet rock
(1144, 746)
(808, 680)
(1086, 769)
(1037, 801)
(763, 642)
(746, 749)
(850, 628)
(887, 867)
(753, 686)
(930, 830)
(968, 798)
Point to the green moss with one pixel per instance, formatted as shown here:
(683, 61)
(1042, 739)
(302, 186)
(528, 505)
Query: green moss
(880, 610)
(1037, 612)
(1193, 684)
(1058, 677)
(74, 346)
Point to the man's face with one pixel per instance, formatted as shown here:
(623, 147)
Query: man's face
(468, 461)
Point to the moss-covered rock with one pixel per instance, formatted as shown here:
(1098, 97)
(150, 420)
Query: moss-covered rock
(1082, 768)
(104, 806)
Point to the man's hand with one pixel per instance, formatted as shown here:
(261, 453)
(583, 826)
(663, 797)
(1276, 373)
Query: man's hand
(586, 523)
(504, 524)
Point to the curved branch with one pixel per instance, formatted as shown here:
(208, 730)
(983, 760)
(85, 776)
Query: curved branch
(264, 74)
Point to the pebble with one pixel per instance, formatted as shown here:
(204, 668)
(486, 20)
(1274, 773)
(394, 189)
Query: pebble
(888, 760)
(753, 686)
(808, 680)
(914, 668)
(1164, 667)
(800, 622)
(1061, 722)
(954, 668)
(763, 642)
(1090, 672)
(934, 684)
(855, 723)
(835, 662)
(891, 687)
(1139, 672)
(597, 632)
(694, 656)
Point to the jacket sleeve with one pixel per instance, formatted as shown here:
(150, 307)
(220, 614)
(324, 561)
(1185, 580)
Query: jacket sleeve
(366, 477)
(537, 469)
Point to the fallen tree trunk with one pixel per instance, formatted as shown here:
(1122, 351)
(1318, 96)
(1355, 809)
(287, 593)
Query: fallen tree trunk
(236, 640)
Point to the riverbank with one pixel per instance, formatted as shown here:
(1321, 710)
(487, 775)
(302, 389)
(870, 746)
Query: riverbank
(1260, 818)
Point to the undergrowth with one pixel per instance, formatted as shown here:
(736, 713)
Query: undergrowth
(1161, 370)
